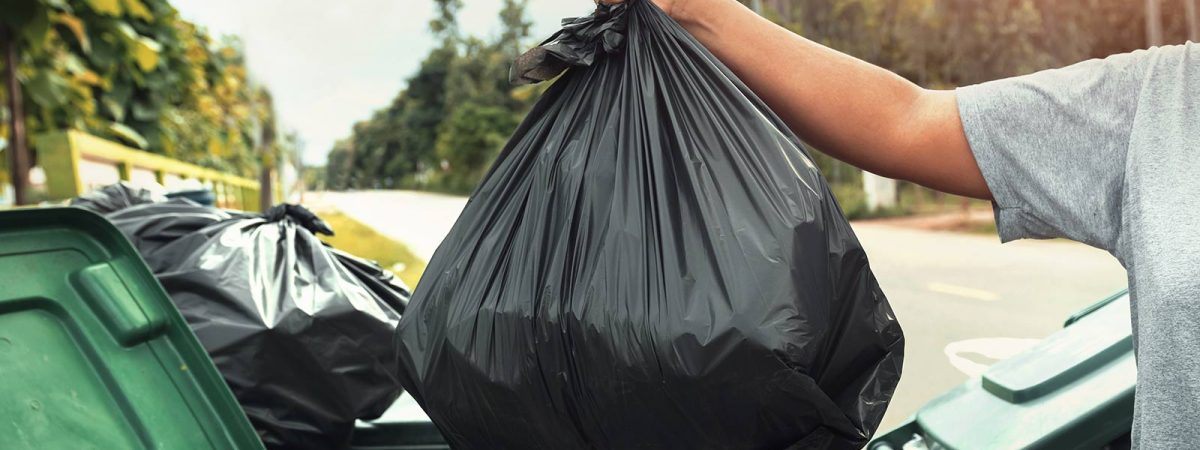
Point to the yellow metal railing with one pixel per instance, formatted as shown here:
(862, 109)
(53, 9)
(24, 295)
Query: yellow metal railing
(60, 154)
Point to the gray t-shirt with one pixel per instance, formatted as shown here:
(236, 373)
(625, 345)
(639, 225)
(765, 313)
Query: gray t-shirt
(1107, 152)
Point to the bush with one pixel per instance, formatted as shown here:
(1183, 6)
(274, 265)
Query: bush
(853, 202)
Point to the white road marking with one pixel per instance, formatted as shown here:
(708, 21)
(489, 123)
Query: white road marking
(997, 348)
(962, 291)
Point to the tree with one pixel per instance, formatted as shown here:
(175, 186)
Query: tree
(445, 127)
(135, 72)
(444, 24)
(468, 142)
(338, 168)
(18, 152)
(424, 110)
(514, 28)
(269, 152)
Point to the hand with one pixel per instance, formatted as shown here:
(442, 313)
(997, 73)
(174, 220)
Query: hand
(671, 7)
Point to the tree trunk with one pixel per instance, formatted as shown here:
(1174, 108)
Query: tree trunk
(784, 8)
(1154, 32)
(18, 153)
(266, 192)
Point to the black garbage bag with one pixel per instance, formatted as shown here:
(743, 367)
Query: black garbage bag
(653, 262)
(115, 197)
(302, 333)
(152, 226)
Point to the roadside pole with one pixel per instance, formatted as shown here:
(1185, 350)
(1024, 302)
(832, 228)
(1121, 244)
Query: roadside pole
(264, 142)
(266, 191)
(18, 153)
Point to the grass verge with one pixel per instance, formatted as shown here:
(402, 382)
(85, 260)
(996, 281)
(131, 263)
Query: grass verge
(363, 241)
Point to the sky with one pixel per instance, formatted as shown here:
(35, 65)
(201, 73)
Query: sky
(331, 64)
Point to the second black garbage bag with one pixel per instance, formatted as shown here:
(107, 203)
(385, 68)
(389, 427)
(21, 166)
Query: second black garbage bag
(301, 332)
(654, 261)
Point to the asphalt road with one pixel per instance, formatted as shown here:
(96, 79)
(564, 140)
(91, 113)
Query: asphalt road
(965, 301)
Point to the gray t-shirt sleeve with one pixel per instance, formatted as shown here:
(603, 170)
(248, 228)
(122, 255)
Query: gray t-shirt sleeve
(1052, 147)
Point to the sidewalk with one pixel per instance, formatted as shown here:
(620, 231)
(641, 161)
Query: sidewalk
(420, 220)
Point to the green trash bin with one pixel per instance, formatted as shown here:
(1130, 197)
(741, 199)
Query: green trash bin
(1073, 390)
(93, 354)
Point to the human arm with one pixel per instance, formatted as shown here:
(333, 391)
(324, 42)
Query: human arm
(846, 107)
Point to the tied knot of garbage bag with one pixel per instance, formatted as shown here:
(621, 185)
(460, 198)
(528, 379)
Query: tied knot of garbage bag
(580, 41)
(300, 215)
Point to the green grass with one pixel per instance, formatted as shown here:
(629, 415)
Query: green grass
(360, 240)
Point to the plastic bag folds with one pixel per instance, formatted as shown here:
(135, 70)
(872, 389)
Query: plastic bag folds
(653, 262)
(301, 333)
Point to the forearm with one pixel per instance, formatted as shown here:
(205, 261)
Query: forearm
(848, 108)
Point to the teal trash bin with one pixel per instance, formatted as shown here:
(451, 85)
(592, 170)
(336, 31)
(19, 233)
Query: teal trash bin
(1073, 390)
(93, 353)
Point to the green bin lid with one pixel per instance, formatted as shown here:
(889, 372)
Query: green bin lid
(1073, 390)
(93, 354)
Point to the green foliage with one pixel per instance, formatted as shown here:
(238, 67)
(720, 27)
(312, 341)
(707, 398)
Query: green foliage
(445, 128)
(852, 199)
(313, 177)
(948, 43)
(443, 131)
(135, 72)
(339, 167)
(445, 23)
(515, 27)
(468, 142)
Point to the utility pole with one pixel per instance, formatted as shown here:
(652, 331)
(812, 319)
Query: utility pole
(1154, 32)
(266, 192)
(1193, 20)
(269, 157)
(18, 153)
